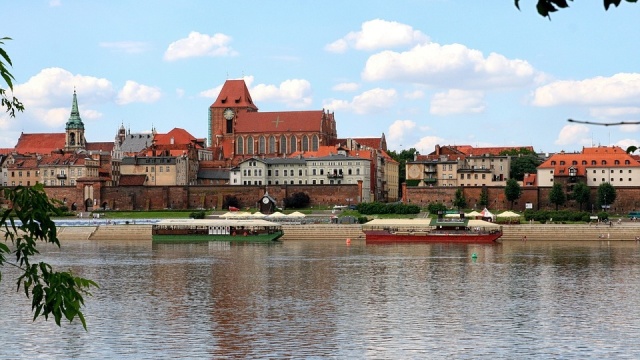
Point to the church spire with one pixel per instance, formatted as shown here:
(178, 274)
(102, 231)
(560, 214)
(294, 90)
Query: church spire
(74, 122)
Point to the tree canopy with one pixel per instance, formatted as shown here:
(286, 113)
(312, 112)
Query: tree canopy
(546, 7)
(581, 194)
(512, 191)
(25, 222)
(557, 195)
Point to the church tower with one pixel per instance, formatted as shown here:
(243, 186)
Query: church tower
(233, 100)
(74, 129)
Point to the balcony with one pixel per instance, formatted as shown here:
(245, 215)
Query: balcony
(335, 176)
(61, 176)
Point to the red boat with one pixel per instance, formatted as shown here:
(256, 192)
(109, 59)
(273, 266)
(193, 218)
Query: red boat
(445, 230)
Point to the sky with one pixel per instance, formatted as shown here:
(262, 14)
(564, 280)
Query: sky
(421, 72)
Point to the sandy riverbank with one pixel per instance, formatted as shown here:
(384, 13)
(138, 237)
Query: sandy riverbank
(547, 232)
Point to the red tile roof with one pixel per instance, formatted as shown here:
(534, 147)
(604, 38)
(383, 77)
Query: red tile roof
(43, 143)
(176, 136)
(601, 156)
(278, 122)
(100, 146)
(234, 93)
(132, 180)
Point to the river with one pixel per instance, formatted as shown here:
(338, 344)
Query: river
(328, 299)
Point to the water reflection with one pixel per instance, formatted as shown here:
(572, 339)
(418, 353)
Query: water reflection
(302, 299)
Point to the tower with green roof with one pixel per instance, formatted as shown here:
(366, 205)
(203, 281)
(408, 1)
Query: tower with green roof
(74, 139)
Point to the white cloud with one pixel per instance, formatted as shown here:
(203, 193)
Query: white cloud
(180, 93)
(47, 96)
(619, 89)
(374, 100)
(378, 34)
(414, 95)
(197, 44)
(427, 144)
(55, 3)
(294, 93)
(129, 47)
(625, 143)
(346, 87)
(449, 66)
(455, 102)
(574, 134)
(398, 129)
(134, 92)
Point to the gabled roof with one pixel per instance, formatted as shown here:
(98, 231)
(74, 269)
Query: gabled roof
(234, 93)
(176, 136)
(42, 143)
(106, 146)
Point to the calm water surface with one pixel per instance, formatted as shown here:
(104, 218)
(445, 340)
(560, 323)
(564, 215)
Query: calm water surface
(547, 300)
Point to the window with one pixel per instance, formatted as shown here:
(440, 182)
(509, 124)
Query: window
(305, 143)
(168, 169)
(262, 145)
(160, 169)
(293, 144)
(315, 143)
(284, 173)
(283, 144)
(272, 144)
(250, 145)
(553, 163)
(277, 172)
(321, 171)
(239, 145)
(313, 172)
(561, 162)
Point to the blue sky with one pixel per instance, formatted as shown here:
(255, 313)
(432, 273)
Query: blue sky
(423, 72)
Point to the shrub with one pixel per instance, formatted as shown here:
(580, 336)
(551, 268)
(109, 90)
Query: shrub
(297, 201)
(197, 215)
(382, 208)
(230, 201)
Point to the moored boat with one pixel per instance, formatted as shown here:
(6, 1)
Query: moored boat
(195, 230)
(454, 230)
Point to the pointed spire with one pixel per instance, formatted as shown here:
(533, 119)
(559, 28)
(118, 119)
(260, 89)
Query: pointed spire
(74, 122)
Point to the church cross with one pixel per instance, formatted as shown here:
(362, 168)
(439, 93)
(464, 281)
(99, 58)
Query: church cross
(277, 121)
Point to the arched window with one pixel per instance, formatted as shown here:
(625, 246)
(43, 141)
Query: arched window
(250, 145)
(593, 162)
(262, 145)
(283, 144)
(627, 162)
(584, 162)
(553, 163)
(617, 162)
(294, 144)
(272, 144)
(604, 162)
(357, 171)
(305, 143)
(574, 162)
(315, 143)
(239, 145)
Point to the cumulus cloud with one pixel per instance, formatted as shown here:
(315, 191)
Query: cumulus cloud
(371, 101)
(618, 90)
(427, 144)
(449, 66)
(625, 143)
(455, 102)
(197, 45)
(346, 87)
(134, 92)
(48, 95)
(129, 47)
(378, 34)
(574, 134)
(294, 93)
(398, 129)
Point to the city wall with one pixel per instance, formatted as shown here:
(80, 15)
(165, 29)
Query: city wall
(200, 196)
(627, 199)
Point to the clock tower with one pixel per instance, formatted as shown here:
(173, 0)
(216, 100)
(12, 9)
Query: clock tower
(234, 100)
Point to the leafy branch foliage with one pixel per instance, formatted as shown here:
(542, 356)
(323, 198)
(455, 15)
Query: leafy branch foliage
(383, 208)
(11, 104)
(546, 7)
(53, 293)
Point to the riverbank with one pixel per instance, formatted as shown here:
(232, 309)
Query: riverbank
(627, 231)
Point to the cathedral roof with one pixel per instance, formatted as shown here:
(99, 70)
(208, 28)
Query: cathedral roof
(279, 122)
(43, 143)
(234, 93)
(176, 136)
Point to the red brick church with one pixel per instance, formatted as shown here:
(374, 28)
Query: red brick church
(237, 130)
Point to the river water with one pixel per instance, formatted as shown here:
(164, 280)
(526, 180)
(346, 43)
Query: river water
(327, 299)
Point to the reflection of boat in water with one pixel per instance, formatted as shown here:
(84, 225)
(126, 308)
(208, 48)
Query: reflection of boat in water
(455, 230)
(237, 230)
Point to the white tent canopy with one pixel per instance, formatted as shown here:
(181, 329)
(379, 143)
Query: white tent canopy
(508, 214)
(296, 214)
(487, 214)
(473, 214)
